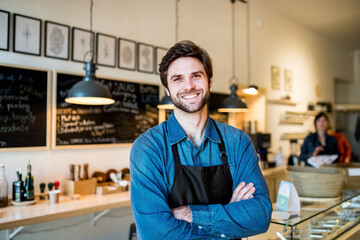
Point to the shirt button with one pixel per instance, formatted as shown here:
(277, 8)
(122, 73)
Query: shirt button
(200, 227)
(222, 235)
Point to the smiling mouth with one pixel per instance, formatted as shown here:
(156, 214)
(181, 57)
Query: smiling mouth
(190, 96)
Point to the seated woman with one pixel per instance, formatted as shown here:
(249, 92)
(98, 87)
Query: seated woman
(320, 142)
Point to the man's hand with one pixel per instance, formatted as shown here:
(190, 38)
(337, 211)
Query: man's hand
(317, 150)
(243, 192)
(182, 213)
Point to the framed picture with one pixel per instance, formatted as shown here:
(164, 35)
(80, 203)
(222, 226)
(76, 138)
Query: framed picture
(288, 84)
(127, 53)
(4, 30)
(145, 58)
(27, 35)
(82, 45)
(275, 78)
(159, 54)
(57, 38)
(105, 50)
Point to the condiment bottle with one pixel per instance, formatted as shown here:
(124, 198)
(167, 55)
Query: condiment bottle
(3, 188)
(293, 158)
(29, 184)
(18, 187)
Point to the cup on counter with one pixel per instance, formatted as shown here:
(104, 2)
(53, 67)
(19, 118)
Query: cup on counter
(54, 196)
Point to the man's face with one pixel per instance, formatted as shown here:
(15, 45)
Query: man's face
(188, 85)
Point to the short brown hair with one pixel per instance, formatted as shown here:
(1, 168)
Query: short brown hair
(185, 48)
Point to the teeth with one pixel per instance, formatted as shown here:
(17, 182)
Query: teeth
(190, 96)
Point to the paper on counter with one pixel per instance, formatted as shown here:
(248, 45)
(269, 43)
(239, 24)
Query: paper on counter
(354, 171)
(320, 160)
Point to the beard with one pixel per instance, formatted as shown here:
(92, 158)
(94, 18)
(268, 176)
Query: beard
(177, 101)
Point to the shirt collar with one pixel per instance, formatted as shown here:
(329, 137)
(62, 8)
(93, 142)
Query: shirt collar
(176, 133)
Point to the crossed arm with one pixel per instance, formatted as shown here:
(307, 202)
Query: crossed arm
(242, 192)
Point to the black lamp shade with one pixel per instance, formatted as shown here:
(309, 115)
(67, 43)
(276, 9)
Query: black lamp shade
(89, 91)
(166, 103)
(233, 103)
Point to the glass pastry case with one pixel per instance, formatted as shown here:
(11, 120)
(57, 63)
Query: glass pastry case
(320, 219)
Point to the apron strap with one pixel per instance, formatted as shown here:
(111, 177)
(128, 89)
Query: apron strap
(221, 145)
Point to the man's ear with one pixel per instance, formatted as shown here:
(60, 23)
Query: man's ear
(167, 91)
(210, 84)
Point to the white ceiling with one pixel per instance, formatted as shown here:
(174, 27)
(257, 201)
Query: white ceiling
(337, 19)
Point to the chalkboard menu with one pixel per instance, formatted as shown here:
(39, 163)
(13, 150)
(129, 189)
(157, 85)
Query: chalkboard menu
(23, 104)
(134, 112)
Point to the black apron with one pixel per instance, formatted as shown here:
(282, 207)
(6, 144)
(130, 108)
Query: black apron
(201, 185)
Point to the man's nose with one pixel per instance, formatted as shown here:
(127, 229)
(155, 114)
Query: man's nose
(189, 84)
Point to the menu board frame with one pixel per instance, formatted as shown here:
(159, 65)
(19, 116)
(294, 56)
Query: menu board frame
(54, 144)
(48, 114)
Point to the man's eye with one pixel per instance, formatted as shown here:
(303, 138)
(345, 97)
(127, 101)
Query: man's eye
(197, 76)
(176, 79)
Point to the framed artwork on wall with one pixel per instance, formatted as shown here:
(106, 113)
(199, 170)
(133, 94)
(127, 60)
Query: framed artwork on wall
(4, 30)
(82, 43)
(145, 58)
(127, 53)
(57, 38)
(288, 80)
(105, 50)
(27, 35)
(275, 78)
(159, 54)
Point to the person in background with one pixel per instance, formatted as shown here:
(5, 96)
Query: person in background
(192, 177)
(343, 146)
(320, 142)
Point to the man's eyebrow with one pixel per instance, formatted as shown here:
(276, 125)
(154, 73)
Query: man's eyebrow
(175, 76)
(193, 73)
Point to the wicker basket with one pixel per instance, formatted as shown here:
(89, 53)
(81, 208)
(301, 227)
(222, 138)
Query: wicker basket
(317, 182)
(351, 182)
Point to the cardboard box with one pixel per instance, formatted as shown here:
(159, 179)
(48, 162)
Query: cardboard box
(83, 187)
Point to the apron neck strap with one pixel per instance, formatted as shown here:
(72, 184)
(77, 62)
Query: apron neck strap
(221, 146)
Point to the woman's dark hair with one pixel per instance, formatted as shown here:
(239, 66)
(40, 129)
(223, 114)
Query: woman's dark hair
(185, 48)
(319, 115)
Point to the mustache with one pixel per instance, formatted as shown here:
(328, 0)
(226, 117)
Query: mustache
(190, 91)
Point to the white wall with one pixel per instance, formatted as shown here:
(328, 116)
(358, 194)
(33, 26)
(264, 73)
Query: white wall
(347, 92)
(278, 41)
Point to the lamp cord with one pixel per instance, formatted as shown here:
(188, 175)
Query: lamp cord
(233, 40)
(91, 42)
(177, 20)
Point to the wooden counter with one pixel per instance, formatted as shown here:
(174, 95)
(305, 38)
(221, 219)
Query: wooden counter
(273, 177)
(42, 211)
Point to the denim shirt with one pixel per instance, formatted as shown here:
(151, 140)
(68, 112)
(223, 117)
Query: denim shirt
(312, 141)
(152, 174)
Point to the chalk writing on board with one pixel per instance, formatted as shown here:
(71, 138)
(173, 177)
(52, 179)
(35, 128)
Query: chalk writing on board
(133, 112)
(23, 104)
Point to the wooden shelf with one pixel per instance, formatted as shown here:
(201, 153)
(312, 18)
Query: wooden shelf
(281, 101)
(289, 136)
(292, 121)
(347, 107)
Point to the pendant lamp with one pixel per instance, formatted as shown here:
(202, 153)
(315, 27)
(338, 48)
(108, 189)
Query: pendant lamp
(252, 89)
(165, 103)
(233, 103)
(90, 91)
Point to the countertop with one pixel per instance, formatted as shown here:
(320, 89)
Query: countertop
(42, 211)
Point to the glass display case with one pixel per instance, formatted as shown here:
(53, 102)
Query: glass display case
(320, 219)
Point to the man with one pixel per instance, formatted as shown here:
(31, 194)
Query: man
(192, 177)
